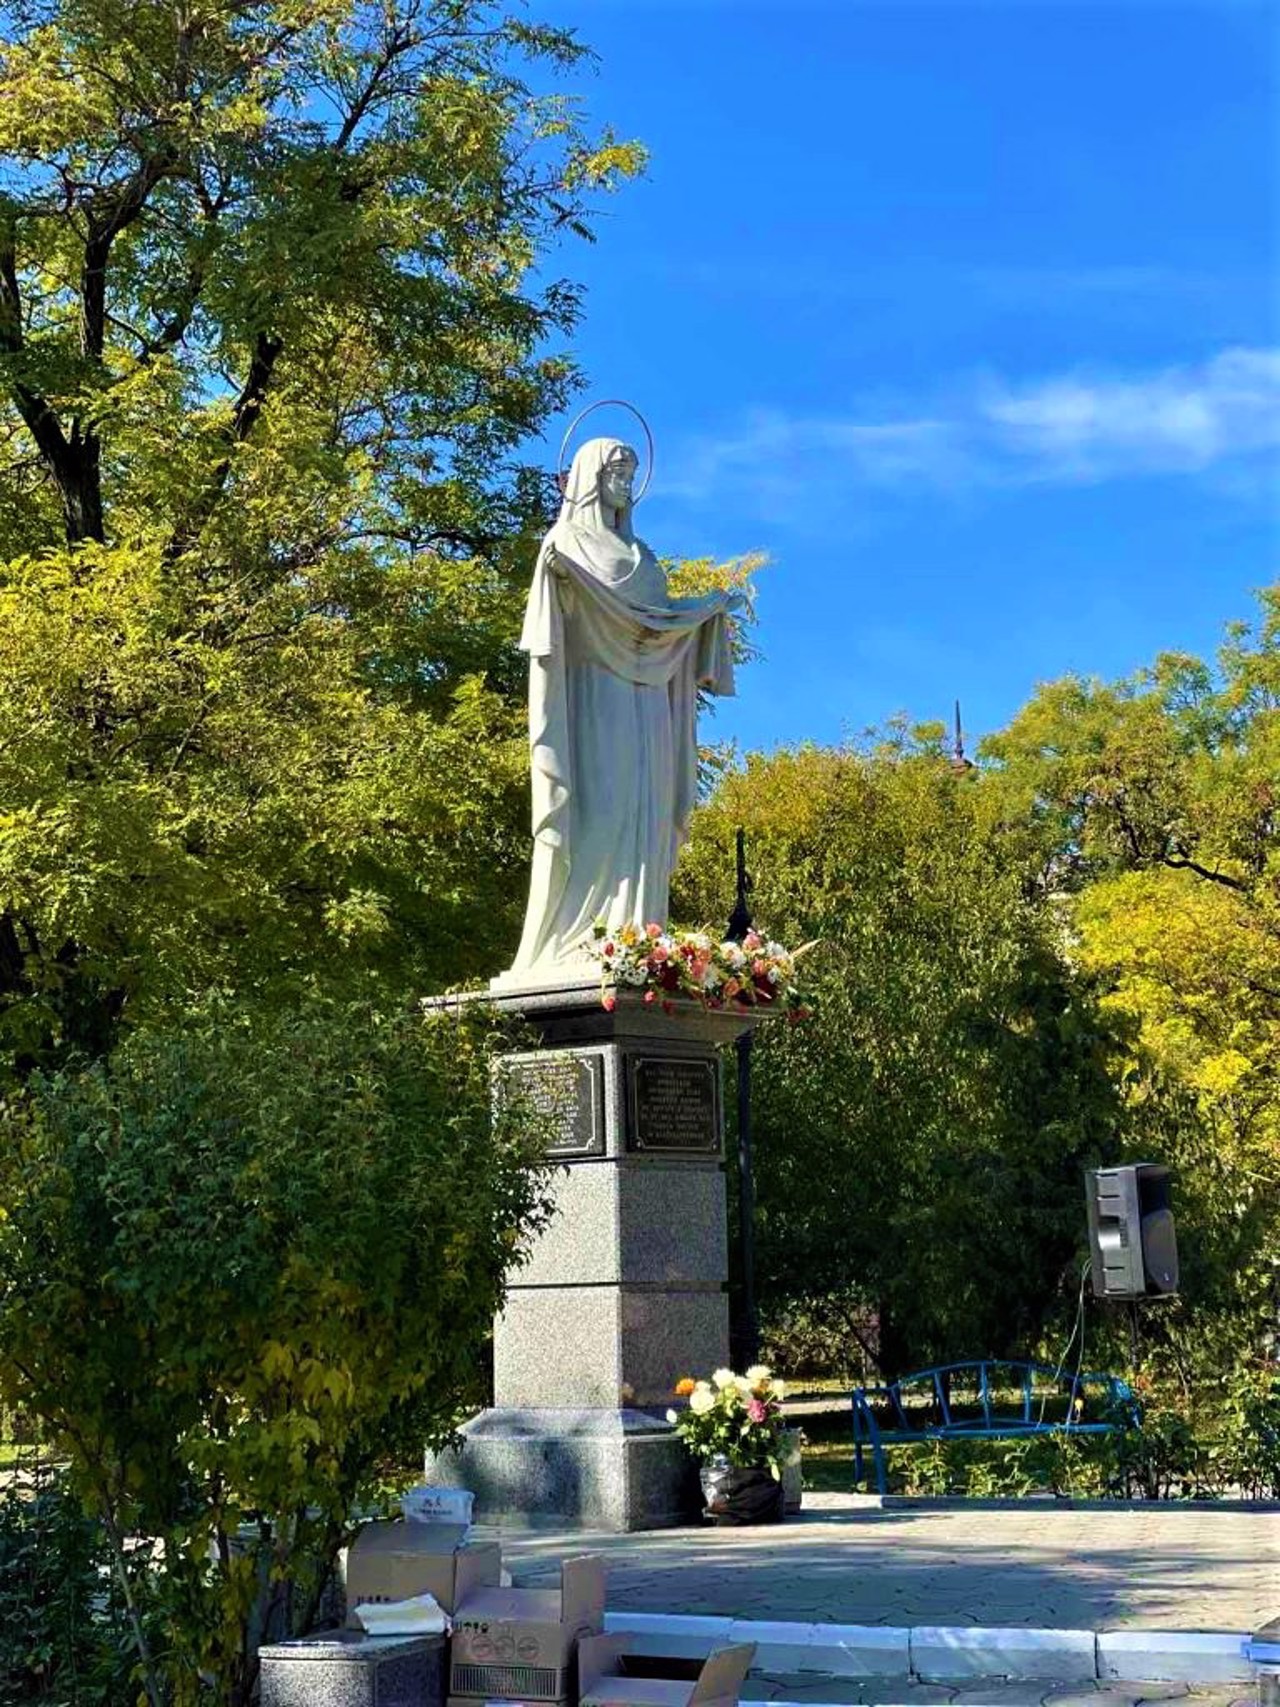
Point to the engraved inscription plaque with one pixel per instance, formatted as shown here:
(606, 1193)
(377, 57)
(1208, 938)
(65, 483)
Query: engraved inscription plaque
(569, 1087)
(675, 1104)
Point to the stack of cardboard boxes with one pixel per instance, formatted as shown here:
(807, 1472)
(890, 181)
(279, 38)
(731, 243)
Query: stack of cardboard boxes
(519, 1647)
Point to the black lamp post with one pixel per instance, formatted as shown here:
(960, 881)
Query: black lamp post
(749, 1329)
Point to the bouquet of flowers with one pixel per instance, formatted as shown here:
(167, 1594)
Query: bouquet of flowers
(666, 963)
(734, 1418)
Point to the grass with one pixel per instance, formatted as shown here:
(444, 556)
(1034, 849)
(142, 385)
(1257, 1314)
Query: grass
(828, 1451)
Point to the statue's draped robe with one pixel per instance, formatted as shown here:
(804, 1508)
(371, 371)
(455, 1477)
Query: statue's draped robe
(614, 672)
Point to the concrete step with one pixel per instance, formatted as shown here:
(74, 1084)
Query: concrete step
(986, 1692)
(933, 1654)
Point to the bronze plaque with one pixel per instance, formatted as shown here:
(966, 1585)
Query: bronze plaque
(675, 1104)
(567, 1088)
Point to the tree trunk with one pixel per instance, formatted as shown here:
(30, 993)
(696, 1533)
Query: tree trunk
(80, 483)
(894, 1351)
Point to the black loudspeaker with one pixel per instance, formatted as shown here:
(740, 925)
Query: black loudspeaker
(1132, 1241)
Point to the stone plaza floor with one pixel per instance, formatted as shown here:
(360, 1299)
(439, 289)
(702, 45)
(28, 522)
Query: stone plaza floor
(846, 1560)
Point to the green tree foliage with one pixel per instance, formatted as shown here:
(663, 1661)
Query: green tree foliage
(242, 1268)
(275, 316)
(1154, 803)
(919, 1142)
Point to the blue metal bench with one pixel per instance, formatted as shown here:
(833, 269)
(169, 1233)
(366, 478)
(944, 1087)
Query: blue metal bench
(992, 1399)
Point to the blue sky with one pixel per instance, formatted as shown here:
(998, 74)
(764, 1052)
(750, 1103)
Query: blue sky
(966, 314)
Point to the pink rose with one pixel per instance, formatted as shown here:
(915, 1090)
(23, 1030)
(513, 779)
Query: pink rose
(650, 996)
(609, 1002)
(757, 1411)
(653, 930)
(659, 954)
(753, 940)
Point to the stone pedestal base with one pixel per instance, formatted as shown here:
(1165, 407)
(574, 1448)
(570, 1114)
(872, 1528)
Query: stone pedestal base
(615, 1470)
(626, 1290)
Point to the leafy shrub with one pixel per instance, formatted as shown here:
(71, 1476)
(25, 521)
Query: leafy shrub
(61, 1618)
(244, 1270)
(1228, 1447)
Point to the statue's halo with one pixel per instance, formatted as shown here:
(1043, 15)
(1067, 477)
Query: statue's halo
(562, 475)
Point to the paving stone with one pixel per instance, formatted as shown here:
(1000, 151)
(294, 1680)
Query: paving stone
(877, 1692)
(1036, 1564)
(1085, 1696)
(999, 1692)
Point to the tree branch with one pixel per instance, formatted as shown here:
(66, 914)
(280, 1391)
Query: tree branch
(1179, 863)
(121, 206)
(399, 40)
(248, 407)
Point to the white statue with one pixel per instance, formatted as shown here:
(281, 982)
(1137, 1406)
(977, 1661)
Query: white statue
(614, 671)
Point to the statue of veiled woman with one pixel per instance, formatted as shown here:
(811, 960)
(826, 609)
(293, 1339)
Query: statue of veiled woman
(615, 666)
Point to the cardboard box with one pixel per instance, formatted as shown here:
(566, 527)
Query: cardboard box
(603, 1681)
(438, 1505)
(519, 1644)
(397, 1561)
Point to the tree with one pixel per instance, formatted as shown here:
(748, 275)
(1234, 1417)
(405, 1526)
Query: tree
(275, 316)
(920, 1141)
(1154, 802)
(244, 1269)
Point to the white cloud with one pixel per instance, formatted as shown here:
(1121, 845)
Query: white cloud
(1217, 417)
(1179, 420)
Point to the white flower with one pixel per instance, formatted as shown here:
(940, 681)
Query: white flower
(714, 977)
(758, 1373)
(701, 941)
(773, 974)
(724, 1378)
(701, 1400)
(778, 1390)
(733, 954)
(673, 1417)
(634, 974)
(743, 1386)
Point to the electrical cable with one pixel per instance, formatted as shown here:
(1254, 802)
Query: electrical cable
(1077, 1327)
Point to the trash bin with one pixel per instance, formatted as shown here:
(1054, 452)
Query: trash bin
(346, 1668)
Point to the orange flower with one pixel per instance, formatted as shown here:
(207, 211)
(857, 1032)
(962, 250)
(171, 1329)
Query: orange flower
(684, 1387)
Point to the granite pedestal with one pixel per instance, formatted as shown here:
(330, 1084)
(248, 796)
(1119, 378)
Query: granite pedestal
(626, 1291)
(343, 1668)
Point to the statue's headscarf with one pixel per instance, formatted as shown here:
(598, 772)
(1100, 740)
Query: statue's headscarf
(585, 530)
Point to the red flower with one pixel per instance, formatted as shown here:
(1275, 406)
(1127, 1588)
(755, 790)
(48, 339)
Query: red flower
(651, 995)
(607, 950)
(608, 1001)
(668, 1007)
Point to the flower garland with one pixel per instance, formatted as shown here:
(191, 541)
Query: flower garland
(666, 963)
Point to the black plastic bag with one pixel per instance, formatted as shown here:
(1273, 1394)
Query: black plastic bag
(733, 1496)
